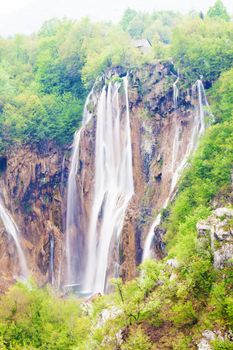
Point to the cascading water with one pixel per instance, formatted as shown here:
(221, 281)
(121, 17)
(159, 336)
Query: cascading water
(175, 92)
(12, 230)
(51, 259)
(203, 105)
(199, 126)
(63, 174)
(114, 185)
(74, 209)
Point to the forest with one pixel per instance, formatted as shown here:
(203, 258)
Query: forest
(45, 77)
(44, 81)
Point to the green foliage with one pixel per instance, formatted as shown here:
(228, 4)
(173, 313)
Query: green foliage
(101, 54)
(183, 314)
(153, 26)
(54, 69)
(34, 118)
(222, 345)
(41, 93)
(128, 16)
(32, 318)
(137, 340)
(222, 97)
(203, 48)
(218, 11)
(45, 78)
(222, 303)
(181, 342)
(131, 297)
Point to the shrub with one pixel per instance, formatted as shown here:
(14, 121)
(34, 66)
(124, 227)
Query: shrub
(137, 340)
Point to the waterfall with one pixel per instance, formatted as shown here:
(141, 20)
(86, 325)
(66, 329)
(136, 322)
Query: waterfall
(114, 185)
(63, 174)
(51, 259)
(175, 92)
(13, 231)
(74, 244)
(175, 147)
(199, 126)
(203, 105)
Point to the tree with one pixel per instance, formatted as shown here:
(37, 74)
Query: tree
(222, 96)
(203, 47)
(128, 16)
(218, 11)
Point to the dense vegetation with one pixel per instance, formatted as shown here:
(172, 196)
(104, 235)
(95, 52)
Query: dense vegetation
(44, 78)
(43, 85)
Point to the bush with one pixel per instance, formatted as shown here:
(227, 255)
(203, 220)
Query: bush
(137, 340)
(183, 314)
(32, 318)
(222, 345)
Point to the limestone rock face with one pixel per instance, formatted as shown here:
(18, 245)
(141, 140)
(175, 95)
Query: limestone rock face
(223, 255)
(209, 336)
(155, 123)
(204, 343)
(108, 314)
(32, 187)
(219, 228)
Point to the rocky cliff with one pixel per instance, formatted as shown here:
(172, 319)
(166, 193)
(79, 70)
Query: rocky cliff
(32, 184)
(161, 134)
(156, 126)
(33, 179)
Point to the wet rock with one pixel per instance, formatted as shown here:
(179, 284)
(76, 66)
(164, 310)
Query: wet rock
(223, 212)
(223, 256)
(173, 263)
(218, 228)
(108, 314)
(31, 189)
(204, 345)
(203, 228)
(209, 336)
(120, 337)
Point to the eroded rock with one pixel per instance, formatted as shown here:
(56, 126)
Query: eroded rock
(218, 228)
(32, 188)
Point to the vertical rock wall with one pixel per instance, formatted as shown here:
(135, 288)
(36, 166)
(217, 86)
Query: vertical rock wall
(32, 188)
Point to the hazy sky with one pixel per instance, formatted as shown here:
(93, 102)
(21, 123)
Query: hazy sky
(26, 16)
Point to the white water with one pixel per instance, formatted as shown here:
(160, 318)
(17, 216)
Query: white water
(73, 203)
(63, 174)
(51, 259)
(199, 126)
(203, 105)
(176, 92)
(113, 184)
(12, 230)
